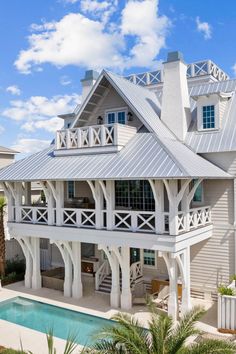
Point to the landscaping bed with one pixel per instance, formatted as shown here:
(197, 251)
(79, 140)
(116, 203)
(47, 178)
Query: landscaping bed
(15, 270)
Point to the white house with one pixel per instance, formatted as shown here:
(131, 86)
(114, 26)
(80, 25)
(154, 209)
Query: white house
(139, 185)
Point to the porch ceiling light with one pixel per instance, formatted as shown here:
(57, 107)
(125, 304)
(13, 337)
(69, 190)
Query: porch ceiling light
(130, 116)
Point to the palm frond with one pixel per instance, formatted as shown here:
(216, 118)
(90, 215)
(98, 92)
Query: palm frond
(210, 346)
(71, 343)
(160, 329)
(184, 329)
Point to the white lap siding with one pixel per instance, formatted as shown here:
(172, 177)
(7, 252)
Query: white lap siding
(213, 261)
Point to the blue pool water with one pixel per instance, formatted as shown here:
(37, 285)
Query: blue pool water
(42, 317)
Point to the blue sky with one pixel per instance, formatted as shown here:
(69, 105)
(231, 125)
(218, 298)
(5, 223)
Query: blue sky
(47, 45)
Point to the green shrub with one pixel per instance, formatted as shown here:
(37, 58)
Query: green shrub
(233, 277)
(223, 290)
(15, 266)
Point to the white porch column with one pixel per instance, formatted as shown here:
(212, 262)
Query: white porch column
(115, 275)
(28, 263)
(98, 205)
(59, 202)
(126, 296)
(173, 208)
(36, 274)
(27, 193)
(115, 288)
(158, 193)
(68, 275)
(186, 284)
(66, 256)
(173, 298)
(185, 206)
(110, 187)
(18, 200)
(77, 287)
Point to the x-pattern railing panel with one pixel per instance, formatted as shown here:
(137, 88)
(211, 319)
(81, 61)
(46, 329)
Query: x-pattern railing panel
(27, 215)
(97, 136)
(41, 215)
(73, 138)
(85, 137)
(88, 218)
(109, 135)
(146, 222)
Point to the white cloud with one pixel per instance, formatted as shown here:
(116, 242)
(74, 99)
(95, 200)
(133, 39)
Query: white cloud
(30, 146)
(205, 28)
(50, 125)
(71, 41)
(65, 80)
(14, 90)
(140, 19)
(84, 40)
(100, 9)
(38, 107)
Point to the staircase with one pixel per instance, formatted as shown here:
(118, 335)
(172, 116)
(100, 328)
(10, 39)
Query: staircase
(136, 276)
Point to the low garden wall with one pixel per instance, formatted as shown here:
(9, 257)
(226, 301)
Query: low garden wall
(227, 309)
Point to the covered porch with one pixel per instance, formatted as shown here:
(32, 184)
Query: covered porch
(117, 269)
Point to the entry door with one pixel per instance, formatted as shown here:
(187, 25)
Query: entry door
(134, 255)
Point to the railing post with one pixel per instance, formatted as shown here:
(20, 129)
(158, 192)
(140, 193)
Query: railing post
(115, 134)
(79, 138)
(90, 137)
(78, 218)
(110, 203)
(134, 221)
(103, 135)
(34, 215)
(68, 140)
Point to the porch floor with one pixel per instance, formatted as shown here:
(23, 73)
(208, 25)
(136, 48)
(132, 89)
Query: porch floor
(92, 303)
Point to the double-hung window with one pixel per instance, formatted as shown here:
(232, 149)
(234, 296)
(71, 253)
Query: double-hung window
(208, 117)
(116, 117)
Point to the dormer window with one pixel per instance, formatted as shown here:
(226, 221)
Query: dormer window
(208, 117)
(116, 116)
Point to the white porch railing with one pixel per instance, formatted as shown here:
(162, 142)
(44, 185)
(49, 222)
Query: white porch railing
(206, 67)
(125, 220)
(91, 136)
(134, 220)
(79, 217)
(101, 274)
(34, 215)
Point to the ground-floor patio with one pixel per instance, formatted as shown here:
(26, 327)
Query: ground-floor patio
(91, 303)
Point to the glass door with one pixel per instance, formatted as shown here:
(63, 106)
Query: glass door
(134, 255)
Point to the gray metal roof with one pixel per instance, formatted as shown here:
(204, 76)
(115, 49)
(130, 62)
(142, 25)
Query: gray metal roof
(214, 141)
(143, 157)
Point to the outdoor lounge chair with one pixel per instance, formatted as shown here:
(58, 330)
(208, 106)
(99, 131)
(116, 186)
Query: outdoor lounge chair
(161, 300)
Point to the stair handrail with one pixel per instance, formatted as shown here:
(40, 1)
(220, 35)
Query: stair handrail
(136, 272)
(101, 274)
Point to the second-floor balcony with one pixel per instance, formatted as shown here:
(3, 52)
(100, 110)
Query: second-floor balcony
(114, 136)
(117, 220)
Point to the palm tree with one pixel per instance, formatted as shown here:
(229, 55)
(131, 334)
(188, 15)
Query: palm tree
(163, 337)
(2, 236)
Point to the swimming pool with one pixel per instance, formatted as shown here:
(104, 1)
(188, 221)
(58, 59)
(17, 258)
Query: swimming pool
(42, 317)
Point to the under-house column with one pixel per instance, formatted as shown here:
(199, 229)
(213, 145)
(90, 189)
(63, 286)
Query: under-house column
(77, 287)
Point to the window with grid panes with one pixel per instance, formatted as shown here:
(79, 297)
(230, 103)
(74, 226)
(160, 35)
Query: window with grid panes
(71, 189)
(136, 195)
(149, 257)
(208, 117)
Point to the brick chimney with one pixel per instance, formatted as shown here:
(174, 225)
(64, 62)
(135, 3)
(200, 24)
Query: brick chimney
(88, 82)
(175, 111)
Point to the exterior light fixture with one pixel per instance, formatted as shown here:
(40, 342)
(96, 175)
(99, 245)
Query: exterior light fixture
(99, 120)
(130, 116)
